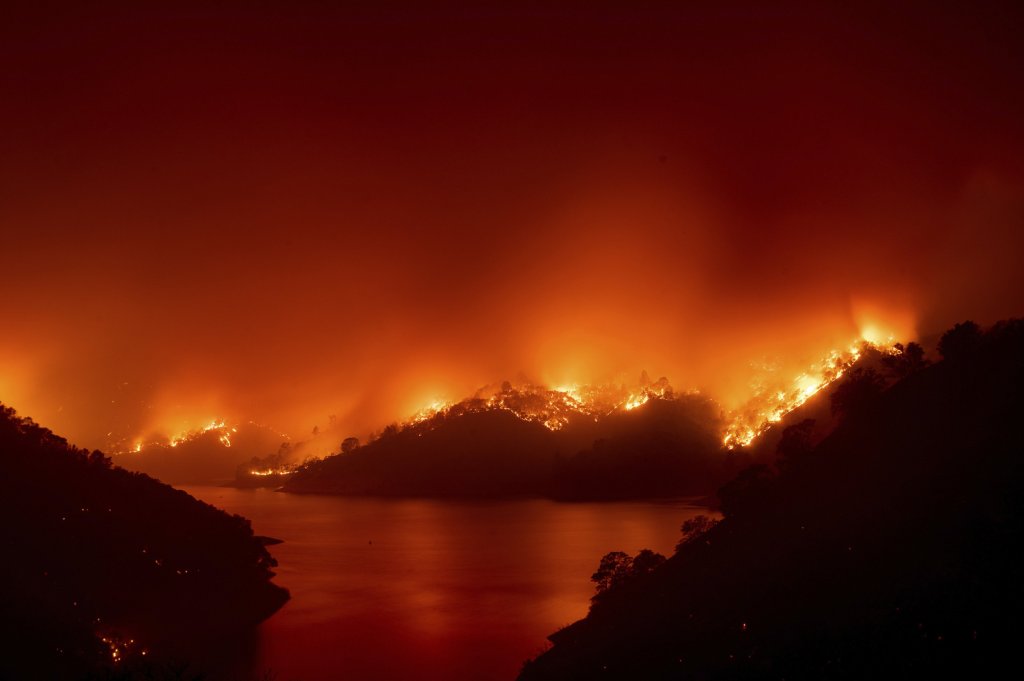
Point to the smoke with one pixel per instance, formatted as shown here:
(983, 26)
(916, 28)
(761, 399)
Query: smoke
(289, 216)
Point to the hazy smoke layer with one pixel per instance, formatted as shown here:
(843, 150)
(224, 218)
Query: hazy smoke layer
(292, 212)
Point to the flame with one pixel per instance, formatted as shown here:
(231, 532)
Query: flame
(428, 412)
(216, 424)
(555, 407)
(224, 433)
(637, 401)
(881, 325)
(118, 646)
(874, 335)
(769, 407)
(271, 471)
(552, 407)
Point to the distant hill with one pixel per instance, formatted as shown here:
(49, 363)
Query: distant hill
(105, 570)
(209, 455)
(669, 445)
(892, 548)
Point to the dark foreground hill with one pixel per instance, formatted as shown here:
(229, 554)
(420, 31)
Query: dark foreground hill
(105, 571)
(665, 447)
(891, 549)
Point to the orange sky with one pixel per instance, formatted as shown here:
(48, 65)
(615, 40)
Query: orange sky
(305, 209)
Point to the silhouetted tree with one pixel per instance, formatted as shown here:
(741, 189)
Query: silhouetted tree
(617, 568)
(695, 528)
(614, 569)
(349, 445)
(98, 458)
(960, 341)
(905, 360)
(646, 561)
(857, 391)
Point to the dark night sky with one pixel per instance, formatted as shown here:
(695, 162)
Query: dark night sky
(283, 210)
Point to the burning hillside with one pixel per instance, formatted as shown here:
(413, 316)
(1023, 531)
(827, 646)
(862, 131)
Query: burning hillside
(209, 454)
(555, 408)
(580, 414)
(552, 407)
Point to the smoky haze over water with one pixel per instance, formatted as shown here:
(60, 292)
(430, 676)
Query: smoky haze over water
(283, 215)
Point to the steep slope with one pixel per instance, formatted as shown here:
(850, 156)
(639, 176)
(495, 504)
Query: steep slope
(101, 564)
(892, 548)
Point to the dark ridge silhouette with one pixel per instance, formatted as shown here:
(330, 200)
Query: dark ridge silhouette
(890, 549)
(111, 574)
(666, 447)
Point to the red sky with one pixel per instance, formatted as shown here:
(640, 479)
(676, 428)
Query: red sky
(285, 210)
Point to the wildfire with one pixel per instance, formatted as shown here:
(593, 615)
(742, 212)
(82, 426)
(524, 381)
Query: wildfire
(553, 407)
(430, 411)
(224, 434)
(637, 401)
(271, 471)
(556, 407)
(223, 431)
(768, 407)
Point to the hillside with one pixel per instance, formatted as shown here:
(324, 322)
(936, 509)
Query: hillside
(105, 569)
(892, 548)
(663, 447)
(207, 456)
(600, 443)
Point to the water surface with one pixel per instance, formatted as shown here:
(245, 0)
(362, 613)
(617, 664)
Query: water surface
(386, 589)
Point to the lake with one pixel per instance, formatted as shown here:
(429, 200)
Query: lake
(389, 589)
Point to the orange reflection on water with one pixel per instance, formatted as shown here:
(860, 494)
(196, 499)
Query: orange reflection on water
(426, 589)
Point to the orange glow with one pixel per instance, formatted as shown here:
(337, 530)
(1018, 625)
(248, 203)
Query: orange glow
(219, 426)
(264, 472)
(551, 407)
(291, 252)
(881, 325)
(770, 404)
(237, 238)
